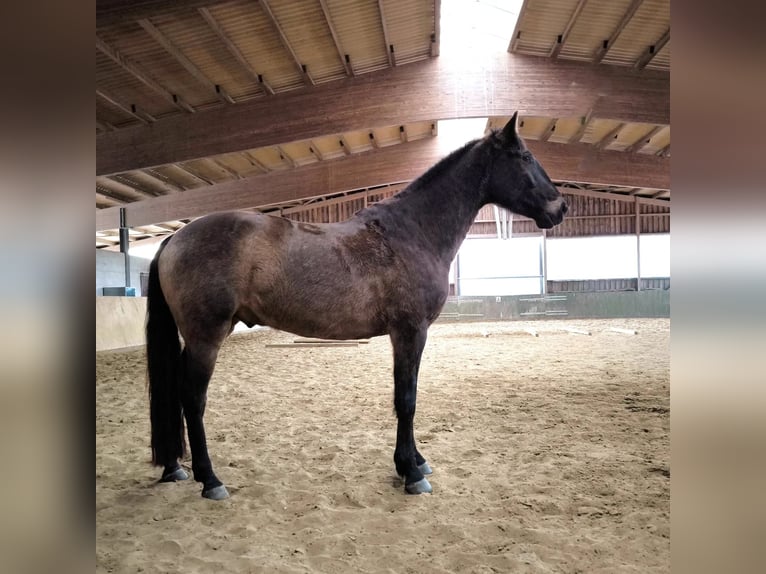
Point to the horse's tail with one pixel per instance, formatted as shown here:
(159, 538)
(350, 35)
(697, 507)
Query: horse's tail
(163, 357)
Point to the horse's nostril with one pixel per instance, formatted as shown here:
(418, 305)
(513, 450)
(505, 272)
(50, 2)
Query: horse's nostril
(564, 208)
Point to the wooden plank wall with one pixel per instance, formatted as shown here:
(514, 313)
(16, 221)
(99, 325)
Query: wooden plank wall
(588, 216)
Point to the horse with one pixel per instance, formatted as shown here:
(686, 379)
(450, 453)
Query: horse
(384, 271)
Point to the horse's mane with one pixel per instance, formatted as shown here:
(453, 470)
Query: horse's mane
(440, 167)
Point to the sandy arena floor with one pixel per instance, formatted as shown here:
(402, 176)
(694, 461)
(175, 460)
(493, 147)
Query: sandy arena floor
(550, 454)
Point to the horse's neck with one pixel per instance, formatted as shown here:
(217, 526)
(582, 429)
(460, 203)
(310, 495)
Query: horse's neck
(439, 208)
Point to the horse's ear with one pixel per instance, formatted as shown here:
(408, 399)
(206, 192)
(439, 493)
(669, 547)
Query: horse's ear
(510, 133)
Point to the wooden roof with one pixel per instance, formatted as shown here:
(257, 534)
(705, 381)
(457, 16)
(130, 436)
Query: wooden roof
(210, 99)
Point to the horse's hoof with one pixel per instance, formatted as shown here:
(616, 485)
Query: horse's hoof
(216, 493)
(425, 468)
(177, 474)
(420, 487)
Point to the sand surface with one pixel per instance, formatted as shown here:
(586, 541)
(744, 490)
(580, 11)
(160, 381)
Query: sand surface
(550, 454)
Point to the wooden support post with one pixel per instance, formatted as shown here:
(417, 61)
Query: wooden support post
(544, 263)
(638, 243)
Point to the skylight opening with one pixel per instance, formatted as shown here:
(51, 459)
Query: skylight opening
(471, 30)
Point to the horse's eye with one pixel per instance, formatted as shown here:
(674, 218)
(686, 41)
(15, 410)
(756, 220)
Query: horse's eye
(526, 157)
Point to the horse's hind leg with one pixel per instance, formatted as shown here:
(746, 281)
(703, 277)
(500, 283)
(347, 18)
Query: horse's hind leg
(198, 362)
(408, 346)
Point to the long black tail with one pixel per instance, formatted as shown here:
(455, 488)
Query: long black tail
(163, 357)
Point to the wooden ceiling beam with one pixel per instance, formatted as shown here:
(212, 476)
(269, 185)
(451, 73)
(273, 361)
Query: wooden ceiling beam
(185, 62)
(626, 18)
(562, 38)
(130, 67)
(307, 79)
(436, 88)
(392, 164)
(653, 50)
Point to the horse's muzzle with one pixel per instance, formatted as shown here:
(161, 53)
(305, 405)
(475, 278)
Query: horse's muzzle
(554, 214)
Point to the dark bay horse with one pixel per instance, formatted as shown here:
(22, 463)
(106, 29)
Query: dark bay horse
(382, 272)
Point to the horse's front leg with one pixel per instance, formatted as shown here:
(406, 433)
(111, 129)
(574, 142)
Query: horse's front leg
(408, 346)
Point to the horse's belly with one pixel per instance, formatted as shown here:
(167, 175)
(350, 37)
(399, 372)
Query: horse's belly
(338, 318)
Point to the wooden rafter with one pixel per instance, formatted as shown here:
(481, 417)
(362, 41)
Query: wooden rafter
(226, 168)
(344, 58)
(653, 50)
(194, 173)
(307, 79)
(107, 200)
(255, 161)
(161, 177)
(120, 11)
(187, 64)
(284, 156)
(386, 39)
(516, 36)
(562, 38)
(155, 180)
(113, 186)
(129, 109)
(140, 75)
(644, 140)
(610, 137)
(584, 123)
(391, 164)
(344, 144)
(314, 150)
(135, 181)
(549, 129)
(104, 126)
(436, 36)
(235, 51)
(626, 18)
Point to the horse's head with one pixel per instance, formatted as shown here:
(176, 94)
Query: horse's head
(518, 182)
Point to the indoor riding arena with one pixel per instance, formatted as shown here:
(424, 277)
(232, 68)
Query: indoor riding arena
(517, 152)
